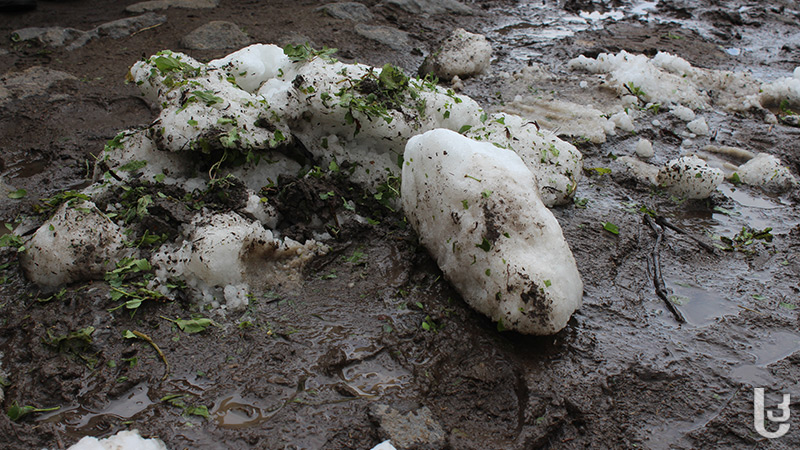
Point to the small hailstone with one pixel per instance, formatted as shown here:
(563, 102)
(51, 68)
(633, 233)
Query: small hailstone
(629, 100)
(644, 149)
(583, 84)
(456, 83)
(690, 177)
(683, 113)
(623, 121)
(698, 126)
(656, 123)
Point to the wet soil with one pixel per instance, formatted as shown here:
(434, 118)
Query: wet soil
(373, 322)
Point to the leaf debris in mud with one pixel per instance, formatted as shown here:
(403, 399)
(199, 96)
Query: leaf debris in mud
(191, 326)
(16, 412)
(133, 334)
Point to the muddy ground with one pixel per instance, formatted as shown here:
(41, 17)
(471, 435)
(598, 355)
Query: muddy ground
(373, 322)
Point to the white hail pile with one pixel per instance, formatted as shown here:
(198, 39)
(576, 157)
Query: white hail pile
(228, 250)
(258, 105)
(664, 79)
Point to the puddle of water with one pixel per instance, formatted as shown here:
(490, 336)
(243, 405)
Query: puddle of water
(80, 419)
(376, 376)
(775, 347)
(700, 306)
(531, 24)
(235, 411)
(749, 199)
(778, 346)
(25, 169)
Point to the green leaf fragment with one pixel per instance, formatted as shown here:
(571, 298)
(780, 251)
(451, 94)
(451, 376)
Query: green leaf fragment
(18, 194)
(128, 334)
(201, 411)
(133, 166)
(611, 228)
(193, 325)
(207, 97)
(16, 412)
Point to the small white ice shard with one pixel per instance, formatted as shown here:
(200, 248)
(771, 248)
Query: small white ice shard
(477, 210)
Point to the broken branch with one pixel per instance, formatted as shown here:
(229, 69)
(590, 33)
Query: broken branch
(658, 280)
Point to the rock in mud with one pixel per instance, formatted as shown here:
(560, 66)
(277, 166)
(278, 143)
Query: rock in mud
(689, 177)
(354, 11)
(48, 36)
(73, 39)
(78, 243)
(33, 81)
(430, 6)
(158, 5)
(462, 54)
(391, 37)
(216, 35)
(415, 429)
(477, 210)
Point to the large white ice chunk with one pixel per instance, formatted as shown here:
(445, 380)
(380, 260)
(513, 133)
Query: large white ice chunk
(477, 210)
(767, 171)
(124, 440)
(689, 177)
(253, 65)
(78, 242)
(462, 54)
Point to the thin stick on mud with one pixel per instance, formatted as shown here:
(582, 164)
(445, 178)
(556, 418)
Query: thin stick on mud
(147, 28)
(150, 341)
(658, 280)
(661, 220)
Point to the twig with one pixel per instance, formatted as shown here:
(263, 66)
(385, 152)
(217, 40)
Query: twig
(60, 442)
(661, 220)
(150, 341)
(147, 28)
(658, 280)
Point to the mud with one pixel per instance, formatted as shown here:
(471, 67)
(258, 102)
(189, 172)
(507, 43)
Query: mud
(373, 322)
